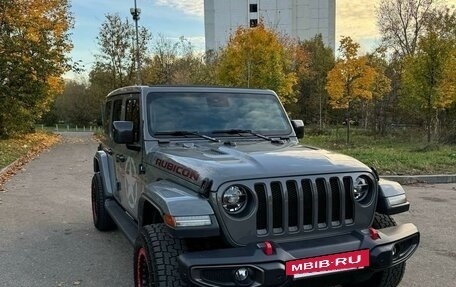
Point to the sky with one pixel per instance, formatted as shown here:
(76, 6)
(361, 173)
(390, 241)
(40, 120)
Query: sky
(176, 18)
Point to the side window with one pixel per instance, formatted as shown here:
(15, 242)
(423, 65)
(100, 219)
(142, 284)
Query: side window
(107, 116)
(116, 114)
(132, 115)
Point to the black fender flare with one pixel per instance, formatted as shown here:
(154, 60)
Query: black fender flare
(102, 166)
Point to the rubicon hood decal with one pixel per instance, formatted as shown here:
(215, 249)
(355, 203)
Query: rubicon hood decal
(177, 169)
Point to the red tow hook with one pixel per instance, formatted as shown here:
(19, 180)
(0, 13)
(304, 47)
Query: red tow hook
(267, 248)
(374, 233)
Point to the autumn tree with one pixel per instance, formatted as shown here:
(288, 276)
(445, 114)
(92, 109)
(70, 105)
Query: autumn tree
(34, 44)
(429, 81)
(257, 58)
(313, 99)
(350, 80)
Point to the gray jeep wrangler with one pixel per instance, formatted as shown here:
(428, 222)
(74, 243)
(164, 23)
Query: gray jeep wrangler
(213, 188)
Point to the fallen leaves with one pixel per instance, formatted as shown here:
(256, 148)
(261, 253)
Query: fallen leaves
(25, 148)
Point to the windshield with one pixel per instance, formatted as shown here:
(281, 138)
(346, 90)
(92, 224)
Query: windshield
(208, 112)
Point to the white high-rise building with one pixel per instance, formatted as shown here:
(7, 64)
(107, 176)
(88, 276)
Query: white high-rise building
(302, 19)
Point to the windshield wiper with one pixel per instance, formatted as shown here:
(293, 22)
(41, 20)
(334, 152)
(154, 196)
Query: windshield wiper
(239, 131)
(186, 133)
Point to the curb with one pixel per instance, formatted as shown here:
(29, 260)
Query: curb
(8, 167)
(431, 179)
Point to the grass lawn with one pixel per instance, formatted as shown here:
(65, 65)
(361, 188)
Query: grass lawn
(17, 147)
(402, 153)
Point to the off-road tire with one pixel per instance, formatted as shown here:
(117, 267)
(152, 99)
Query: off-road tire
(390, 277)
(101, 218)
(155, 258)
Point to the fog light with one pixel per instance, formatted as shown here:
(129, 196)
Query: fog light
(241, 274)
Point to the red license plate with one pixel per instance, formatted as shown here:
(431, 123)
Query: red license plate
(328, 263)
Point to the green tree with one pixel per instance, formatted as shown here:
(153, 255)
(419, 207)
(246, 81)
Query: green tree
(428, 79)
(172, 62)
(34, 43)
(313, 102)
(257, 58)
(381, 89)
(76, 105)
(117, 50)
(350, 80)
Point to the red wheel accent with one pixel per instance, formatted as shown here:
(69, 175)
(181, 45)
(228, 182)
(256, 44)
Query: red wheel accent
(142, 270)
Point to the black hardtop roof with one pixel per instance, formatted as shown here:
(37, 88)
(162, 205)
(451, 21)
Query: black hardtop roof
(201, 89)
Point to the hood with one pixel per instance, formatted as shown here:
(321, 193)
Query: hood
(221, 163)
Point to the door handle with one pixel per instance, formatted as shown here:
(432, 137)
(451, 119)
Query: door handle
(120, 158)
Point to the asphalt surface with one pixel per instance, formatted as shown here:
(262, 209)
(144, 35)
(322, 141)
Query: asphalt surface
(47, 237)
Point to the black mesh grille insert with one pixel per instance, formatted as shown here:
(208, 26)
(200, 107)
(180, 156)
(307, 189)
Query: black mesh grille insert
(262, 212)
(292, 203)
(218, 276)
(308, 202)
(277, 205)
(348, 186)
(336, 202)
(321, 189)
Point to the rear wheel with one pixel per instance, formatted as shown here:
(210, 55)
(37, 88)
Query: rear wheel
(155, 258)
(101, 218)
(390, 277)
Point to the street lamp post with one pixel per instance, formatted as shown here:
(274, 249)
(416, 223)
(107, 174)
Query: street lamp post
(135, 13)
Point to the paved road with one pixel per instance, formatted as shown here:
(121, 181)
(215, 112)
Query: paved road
(47, 237)
(46, 233)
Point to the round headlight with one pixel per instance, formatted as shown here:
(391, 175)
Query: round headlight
(360, 189)
(234, 199)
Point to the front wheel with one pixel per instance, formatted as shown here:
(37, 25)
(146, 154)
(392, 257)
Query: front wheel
(390, 277)
(155, 258)
(101, 218)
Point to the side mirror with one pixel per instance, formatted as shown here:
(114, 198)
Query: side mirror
(298, 126)
(123, 132)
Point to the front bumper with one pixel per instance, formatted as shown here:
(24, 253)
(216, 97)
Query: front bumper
(217, 267)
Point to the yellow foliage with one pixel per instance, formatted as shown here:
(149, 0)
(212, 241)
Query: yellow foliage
(351, 78)
(259, 58)
(447, 87)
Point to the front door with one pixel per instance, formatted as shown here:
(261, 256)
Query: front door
(129, 159)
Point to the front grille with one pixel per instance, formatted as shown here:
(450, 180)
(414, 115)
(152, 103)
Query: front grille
(295, 208)
(304, 204)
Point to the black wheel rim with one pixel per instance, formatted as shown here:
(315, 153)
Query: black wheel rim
(142, 271)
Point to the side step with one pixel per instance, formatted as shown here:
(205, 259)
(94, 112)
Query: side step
(122, 220)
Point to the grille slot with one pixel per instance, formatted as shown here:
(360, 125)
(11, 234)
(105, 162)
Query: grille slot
(321, 202)
(336, 201)
(277, 206)
(304, 204)
(308, 203)
(262, 212)
(349, 204)
(292, 205)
